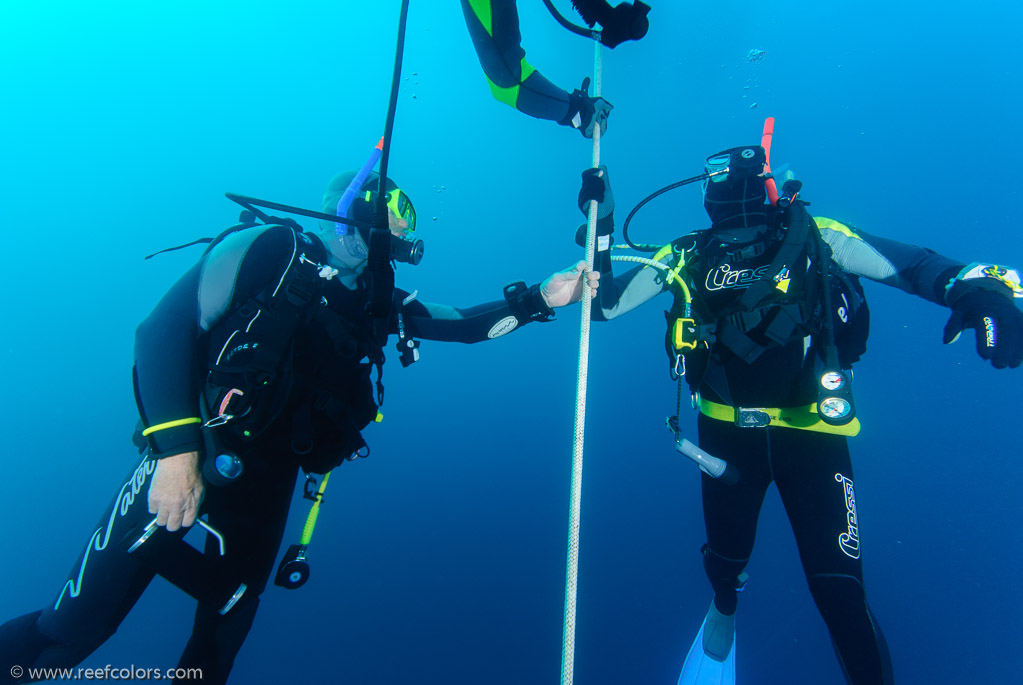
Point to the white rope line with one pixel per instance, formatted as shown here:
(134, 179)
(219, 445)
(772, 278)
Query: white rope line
(572, 572)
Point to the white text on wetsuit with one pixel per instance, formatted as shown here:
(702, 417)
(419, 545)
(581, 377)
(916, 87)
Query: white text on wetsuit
(723, 277)
(125, 498)
(849, 541)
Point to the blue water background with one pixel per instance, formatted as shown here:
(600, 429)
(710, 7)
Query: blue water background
(440, 559)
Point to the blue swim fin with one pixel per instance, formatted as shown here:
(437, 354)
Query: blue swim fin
(711, 659)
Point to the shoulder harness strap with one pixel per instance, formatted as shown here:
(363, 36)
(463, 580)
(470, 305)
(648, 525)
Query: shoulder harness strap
(256, 337)
(796, 234)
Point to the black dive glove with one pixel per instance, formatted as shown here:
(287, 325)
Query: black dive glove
(994, 317)
(584, 111)
(625, 21)
(596, 186)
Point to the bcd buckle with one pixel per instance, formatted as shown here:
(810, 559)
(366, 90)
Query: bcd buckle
(747, 417)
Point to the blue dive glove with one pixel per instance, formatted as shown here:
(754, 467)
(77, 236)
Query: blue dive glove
(584, 111)
(994, 317)
(596, 186)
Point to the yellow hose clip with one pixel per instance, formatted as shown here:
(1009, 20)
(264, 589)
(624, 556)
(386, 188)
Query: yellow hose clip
(683, 334)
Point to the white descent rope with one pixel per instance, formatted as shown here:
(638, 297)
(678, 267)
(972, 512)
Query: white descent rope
(572, 572)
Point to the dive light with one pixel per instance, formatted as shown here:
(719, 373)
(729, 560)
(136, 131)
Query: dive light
(713, 466)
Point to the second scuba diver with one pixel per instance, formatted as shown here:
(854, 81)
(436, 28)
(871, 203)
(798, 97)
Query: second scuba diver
(258, 362)
(768, 317)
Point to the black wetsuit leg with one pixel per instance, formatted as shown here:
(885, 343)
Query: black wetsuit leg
(251, 515)
(730, 513)
(813, 472)
(814, 476)
(103, 586)
(106, 582)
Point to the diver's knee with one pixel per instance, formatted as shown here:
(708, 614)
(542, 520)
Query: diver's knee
(855, 634)
(833, 592)
(23, 643)
(723, 571)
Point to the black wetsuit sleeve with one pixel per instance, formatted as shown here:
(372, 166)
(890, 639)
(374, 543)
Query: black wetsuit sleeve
(916, 270)
(474, 324)
(494, 28)
(166, 371)
(170, 349)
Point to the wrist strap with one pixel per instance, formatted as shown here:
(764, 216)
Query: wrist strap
(527, 303)
(984, 276)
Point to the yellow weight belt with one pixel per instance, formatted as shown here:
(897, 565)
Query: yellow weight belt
(801, 418)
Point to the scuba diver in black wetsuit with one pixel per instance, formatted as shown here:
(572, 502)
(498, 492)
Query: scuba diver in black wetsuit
(494, 28)
(259, 361)
(767, 320)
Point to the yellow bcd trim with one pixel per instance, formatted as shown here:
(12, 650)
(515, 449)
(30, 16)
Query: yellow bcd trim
(674, 274)
(824, 222)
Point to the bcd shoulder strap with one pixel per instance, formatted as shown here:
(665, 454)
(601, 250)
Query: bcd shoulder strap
(250, 348)
(797, 222)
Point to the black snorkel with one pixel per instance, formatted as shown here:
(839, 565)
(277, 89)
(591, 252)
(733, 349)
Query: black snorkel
(379, 272)
(384, 247)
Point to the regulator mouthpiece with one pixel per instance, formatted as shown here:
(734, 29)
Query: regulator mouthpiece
(407, 251)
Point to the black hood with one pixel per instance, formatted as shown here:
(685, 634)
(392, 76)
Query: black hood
(739, 198)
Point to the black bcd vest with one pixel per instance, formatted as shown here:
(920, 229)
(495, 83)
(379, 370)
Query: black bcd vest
(294, 359)
(723, 266)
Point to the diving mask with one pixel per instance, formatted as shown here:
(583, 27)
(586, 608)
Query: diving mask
(399, 204)
(737, 163)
